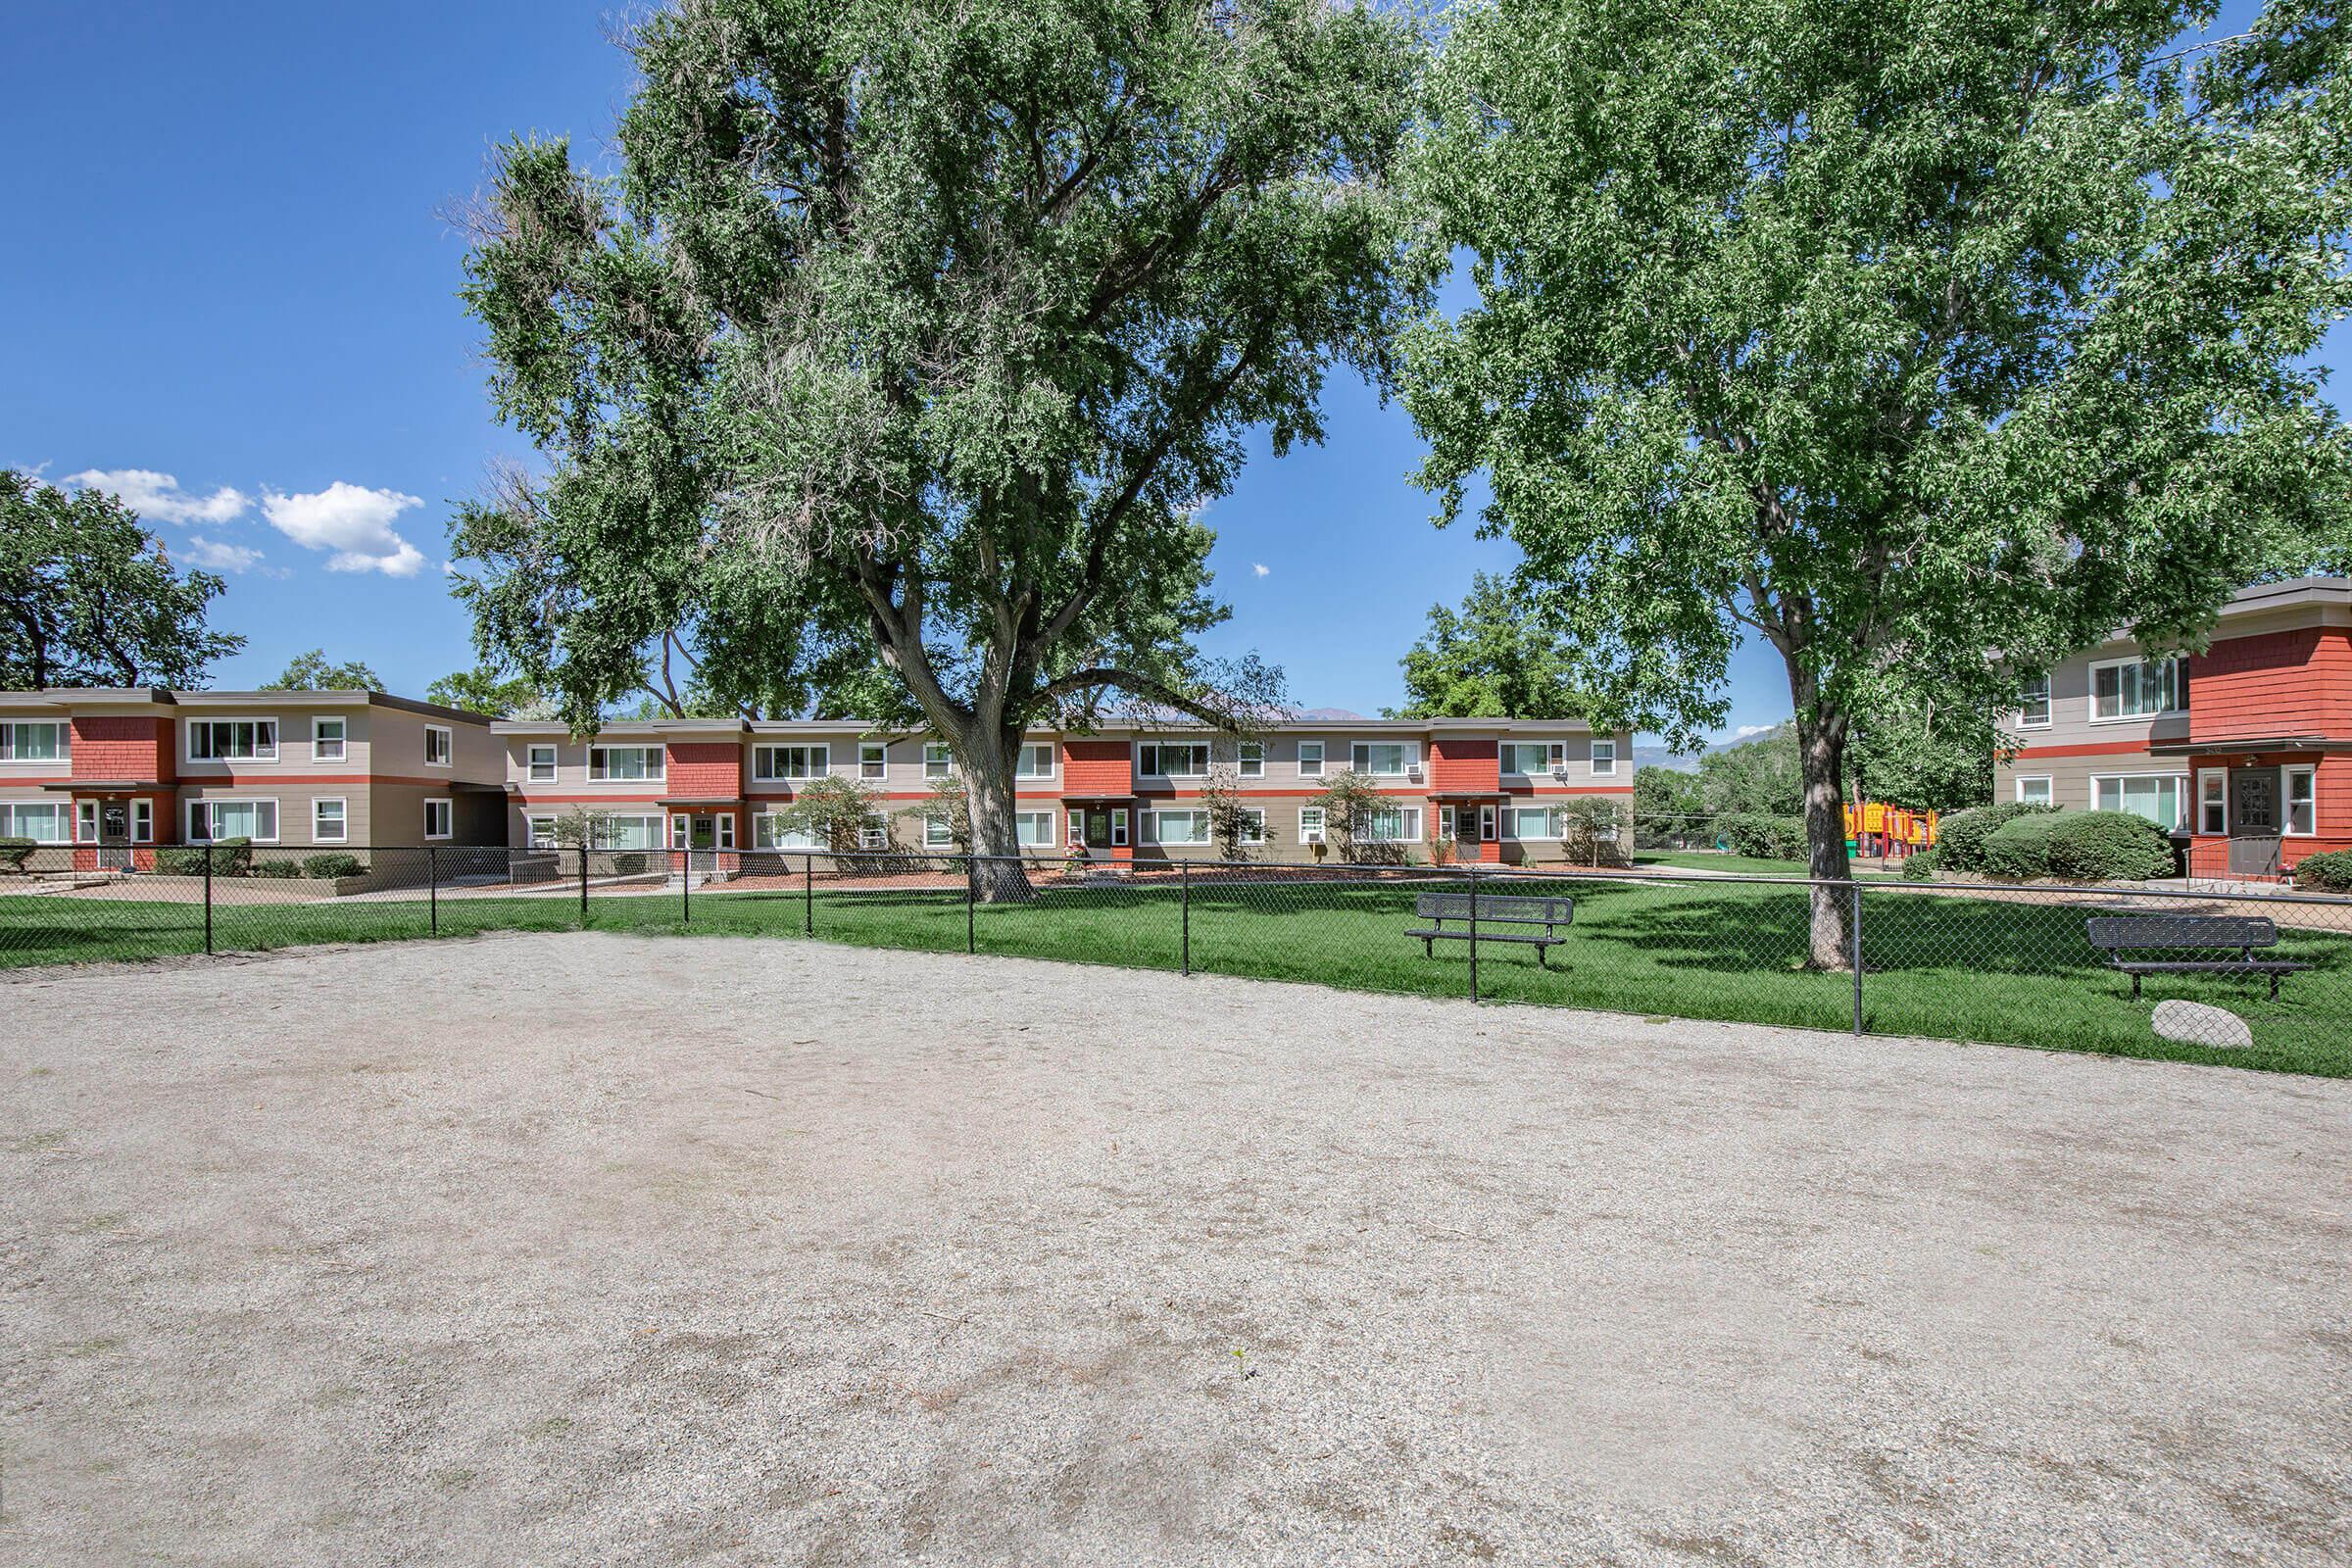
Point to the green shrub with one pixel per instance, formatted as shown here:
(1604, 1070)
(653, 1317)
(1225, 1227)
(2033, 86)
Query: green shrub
(2330, 871)
(332, 865)
(232, 856)
(2108, 847)
(14, 853)
(1765, 838)
(1960, 837)
(2019, 849)
(1921, 868)
(175, 860)
(276, 871)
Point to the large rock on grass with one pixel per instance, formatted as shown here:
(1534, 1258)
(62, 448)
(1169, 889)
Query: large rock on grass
(2194, 1023)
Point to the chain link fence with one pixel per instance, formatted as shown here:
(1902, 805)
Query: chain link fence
(2263, 978)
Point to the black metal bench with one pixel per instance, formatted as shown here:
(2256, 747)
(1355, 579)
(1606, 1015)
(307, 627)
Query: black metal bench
(2116, 935)
(1495, 910)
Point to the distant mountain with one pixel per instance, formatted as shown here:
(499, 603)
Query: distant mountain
(1687, 762)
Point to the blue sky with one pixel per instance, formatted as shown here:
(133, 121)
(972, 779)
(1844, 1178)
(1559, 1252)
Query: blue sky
(228, 267)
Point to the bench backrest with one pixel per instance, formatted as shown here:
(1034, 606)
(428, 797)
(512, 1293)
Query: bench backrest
(1513, 909)
(2134, 931)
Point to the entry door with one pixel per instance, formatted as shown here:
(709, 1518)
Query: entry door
(114, 835)
(706, 833)
(1097, 827)
(2254, 821)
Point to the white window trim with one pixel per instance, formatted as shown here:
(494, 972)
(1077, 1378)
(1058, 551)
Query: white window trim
(531, 830)
(945, 839)
(2049, 706)
(1489, 826)
(64, 729)
(1599, 741)
(2287, 801)
(945, 760)
(342, 740)
(820, 761)
(1045, 840)
(1253, 825)
(2049, 787)
(1118, 827)
(142, 822)
(1150, 825)
(342, 823)
(2181, 793)
(187, 740)
(449, 813)
(879, 760)
(277, 825)
(449, 746)
(2214, 775)
(1406, 815)
(61, 813)
(85, 821)
(2091, 705)
(1320, 833)
(1156, 747)
(1047, 747)
(1322, 750)
(530, 762)
(1412, 758)
(1250, 761)
(658, 774)
(1551, 822)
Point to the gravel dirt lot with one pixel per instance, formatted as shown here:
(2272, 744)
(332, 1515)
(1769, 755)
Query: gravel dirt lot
(599, 1250)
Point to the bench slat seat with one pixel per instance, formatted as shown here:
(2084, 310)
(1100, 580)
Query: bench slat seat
(1492, 909)
(2116, 935)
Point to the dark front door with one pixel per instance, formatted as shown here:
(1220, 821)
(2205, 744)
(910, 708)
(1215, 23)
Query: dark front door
(114, 834)
(2254, 821)
(1097, 827)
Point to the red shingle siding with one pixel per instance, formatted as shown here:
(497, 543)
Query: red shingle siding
(2280, 683)
(709, 770)
(1097, 767)
(123, 746)
(1464, 766)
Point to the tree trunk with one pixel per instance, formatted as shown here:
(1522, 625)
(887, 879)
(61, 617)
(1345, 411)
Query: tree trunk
(986, 755)
(1821, 753)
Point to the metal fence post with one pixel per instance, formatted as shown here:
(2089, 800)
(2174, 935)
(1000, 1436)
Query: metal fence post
(1187, 868)
(583, 884)
(1472, 872)
(208, 896)
(808, 893)
(971, 898)
(686, 887)
(432, 888)
(1854, 951)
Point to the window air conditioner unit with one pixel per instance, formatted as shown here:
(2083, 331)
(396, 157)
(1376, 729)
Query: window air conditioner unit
(1413, 771)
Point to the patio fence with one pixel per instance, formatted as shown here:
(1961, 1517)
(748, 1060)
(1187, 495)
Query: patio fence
(1976, 962)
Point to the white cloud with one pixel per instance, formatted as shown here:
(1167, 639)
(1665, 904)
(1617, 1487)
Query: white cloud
(1261, 568)
(353, 521)
(154, 495)
(1745, 730)
(213, 555)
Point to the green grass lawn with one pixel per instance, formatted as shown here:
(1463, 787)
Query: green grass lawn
(1936, 964)
(1718, 860)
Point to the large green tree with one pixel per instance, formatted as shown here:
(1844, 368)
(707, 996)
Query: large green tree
(89, 598)
(1924, 755)
(488, 689)
(1492, 659)
(918, 331)
(1888, 334)
(313, 671)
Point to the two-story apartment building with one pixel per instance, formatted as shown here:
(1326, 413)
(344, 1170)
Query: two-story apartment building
(1468, 789)
(113, 771)
(2246, 745)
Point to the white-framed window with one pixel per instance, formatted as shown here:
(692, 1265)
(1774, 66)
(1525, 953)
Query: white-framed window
(1310, 825)
(1529, 758)
(724, 822)
(1033, 830)
(2213, 799)
(1311, 761)
(1118, 826)
(1172, 759)
(632, 832)
(2161, 798)
(774, 763)
(873, 834)
(1035, 760)
(2302, 801)
(1254, 825)
(439, 746)
(769, 831)
(142, 822)
(2033, 790)
(329, 820)
(1535, 822)
(624, 765)
(440, 819)
(1604, 757)
(2033, 704)
(2134, 688)
(1383, 759)
(1249, 760)
(42, 821)
(37, 740)
(212, 820)
(539, 764)
(86, 822)
(679, 827)
(1489, 823)
(232, 740)
(1392, 824)
(1183, 825)
(326, 739)
(538, 832)
(938, 833)
(873, 760)
(939, 760)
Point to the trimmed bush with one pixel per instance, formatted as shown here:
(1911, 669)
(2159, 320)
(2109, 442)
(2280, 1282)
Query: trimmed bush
(175, 860)
(2019, 849)
(2330, 871)
(230, 858)
(2108, 847)
(1921, 868)
(328, 866)
(276, 871)
(1960, 837)
(1765, 838)
(14, 853)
